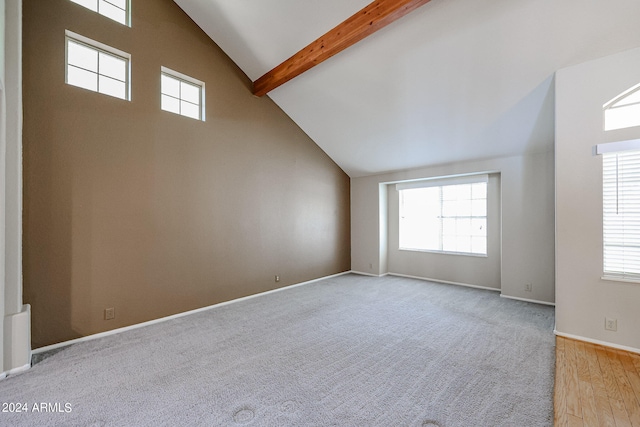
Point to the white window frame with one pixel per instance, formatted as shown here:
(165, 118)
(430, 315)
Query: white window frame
(187, 79)
(612, 107)
(618, 266)
(99, 2)
(100, 47)
(439, 182)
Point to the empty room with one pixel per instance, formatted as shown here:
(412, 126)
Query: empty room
(420, 213)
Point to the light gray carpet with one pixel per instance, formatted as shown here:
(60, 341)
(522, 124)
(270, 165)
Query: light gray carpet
(346, 351)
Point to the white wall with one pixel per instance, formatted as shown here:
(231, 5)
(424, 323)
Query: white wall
(15, 322)
(584, 299)
(475, 270)
(527, 237)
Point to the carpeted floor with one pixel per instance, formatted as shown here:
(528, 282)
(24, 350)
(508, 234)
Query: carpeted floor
(346, 351)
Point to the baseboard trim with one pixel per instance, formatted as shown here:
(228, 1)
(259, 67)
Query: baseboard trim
(598, 342)
(535, 301)
(176, 316)
(446, 282)
(18, 369)
(362, 273)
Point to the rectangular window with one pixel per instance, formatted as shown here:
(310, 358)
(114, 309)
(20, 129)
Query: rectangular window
(118, 10)
(182, 94)
(94, 66)
(621, 214)
(444, 217)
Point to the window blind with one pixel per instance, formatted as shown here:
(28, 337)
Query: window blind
(621, 214)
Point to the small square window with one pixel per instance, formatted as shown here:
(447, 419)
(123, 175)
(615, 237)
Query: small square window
(97, 67)
(181, 94)
(118, 10)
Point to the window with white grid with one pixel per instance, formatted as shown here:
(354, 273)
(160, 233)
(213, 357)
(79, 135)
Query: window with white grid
(118, 10)
(444, 218)
(181, 94)
(94, 66)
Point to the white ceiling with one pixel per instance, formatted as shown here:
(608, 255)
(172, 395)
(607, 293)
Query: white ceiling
(454, 80)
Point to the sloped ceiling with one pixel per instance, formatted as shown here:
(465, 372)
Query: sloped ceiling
(455, 80)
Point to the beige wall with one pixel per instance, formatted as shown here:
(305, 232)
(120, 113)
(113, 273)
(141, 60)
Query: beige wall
(583, 298)
(151, 213)
(471, 270)
(527, 218)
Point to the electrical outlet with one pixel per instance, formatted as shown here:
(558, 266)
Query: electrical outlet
(277, 278)
(610, 324)
(528, 287)
(109, 313)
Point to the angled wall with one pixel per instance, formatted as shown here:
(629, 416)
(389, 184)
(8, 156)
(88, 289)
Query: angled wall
(151, 213)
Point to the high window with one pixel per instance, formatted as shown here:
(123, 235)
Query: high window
(444, 216)
(182, 94)
(623, 111)
(118, 10)
(621, 214)
(94, 66)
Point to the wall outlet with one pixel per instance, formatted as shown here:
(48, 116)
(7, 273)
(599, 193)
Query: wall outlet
(528, 287)
(277, 278)
(109, 313)
(610, 324)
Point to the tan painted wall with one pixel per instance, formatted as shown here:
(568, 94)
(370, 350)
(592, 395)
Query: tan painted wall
(151, 213)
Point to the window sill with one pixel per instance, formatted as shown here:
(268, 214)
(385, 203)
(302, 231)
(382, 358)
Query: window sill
(444, 252)
(620, 279)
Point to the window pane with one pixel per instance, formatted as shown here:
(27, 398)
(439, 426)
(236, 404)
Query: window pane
(449, 192)
(82, 56)
(82, 78)
(463, 208)
(170, 86)
(170, 104)
(463, 244)
(112, 87)
(479, 207)
(449, 208)
(115, 13)
(622, 117)
(449, 243)
(629, 99)
(478, 227)
(122, 4)
(190, 110)
(89, 4)
(190, 93)
(479, 190)
(113, 67)
(449, 226)
(463, 226)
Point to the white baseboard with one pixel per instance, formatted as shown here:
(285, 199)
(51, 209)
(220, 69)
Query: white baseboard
(362, 273)
(175, 316)
(598, 342)
(535, 301)
(467, 285)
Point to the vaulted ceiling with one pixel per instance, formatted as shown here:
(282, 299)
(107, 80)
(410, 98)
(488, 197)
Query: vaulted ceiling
(454, 80)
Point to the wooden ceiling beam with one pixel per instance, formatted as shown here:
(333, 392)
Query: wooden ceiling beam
(367, 21)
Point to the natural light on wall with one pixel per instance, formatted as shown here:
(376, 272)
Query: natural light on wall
(449, 216)
(623, 111)
(118, 10)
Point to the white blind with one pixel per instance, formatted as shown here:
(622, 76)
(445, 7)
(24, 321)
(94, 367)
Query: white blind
(621, 214)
